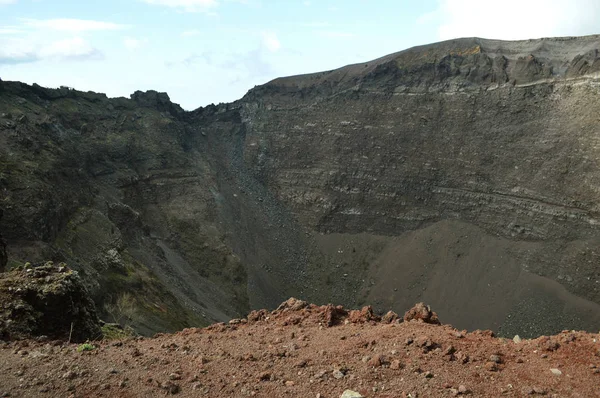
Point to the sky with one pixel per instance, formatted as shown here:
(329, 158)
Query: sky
(211, 51)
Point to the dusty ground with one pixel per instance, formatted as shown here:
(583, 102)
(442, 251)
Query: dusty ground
(309, 351)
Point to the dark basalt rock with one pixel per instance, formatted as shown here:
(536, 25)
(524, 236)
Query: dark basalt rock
(47, 300)
(3, 253)
(155, 100)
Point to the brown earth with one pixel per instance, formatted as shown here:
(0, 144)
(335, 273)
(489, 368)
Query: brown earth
(292, 352)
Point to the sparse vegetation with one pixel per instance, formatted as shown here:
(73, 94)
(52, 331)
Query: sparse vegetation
(113, 331)
(123, 310)
(86, 347)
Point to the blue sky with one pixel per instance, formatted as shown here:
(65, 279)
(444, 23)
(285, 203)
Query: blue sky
(210, 51)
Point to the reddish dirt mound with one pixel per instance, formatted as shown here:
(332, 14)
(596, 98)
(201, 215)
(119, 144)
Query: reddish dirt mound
(293, 352)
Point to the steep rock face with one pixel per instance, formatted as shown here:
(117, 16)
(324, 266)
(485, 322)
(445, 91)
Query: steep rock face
(462, 174)
(486, 148)
(123, 193)
(3, 254)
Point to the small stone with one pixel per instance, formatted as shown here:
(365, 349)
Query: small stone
(462, 389)
(171, 387)
(517, 339)
(461, 357)
(377, 361)
(289, 383)
(556, 372)
(491, 366)
(320, 375)
(351, 394)
(539, 390)
(495, 358)
(527, 390)
(425, 342)
(396, 365)
(338, 374)
(549, 344)
(70, 375)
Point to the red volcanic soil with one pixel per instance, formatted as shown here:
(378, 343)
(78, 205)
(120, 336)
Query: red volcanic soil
(305, 350)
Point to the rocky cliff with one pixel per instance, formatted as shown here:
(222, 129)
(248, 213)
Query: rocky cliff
(462, 173)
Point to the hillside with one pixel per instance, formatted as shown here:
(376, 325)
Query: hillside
(303, 350)
(461, 173)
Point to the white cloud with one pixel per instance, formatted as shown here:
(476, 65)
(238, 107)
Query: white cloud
(75, 47)
(515, 19)
(25, 50)
(270, 41)
(337, 35)
(8, 30)
(71, 25)
(187, 5)
(315, 24)
(132, 43)
(191, 33)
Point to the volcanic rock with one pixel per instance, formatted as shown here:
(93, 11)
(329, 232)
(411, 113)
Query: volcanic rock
(47, 300)
(440, 173)
(421, 313)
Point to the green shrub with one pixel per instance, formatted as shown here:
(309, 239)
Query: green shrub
(86, 347)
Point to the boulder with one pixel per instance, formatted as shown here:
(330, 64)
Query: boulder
(421, 313)
(366, 314)
(48, 300)
(333, 315)
(390, 317)
(292, 304)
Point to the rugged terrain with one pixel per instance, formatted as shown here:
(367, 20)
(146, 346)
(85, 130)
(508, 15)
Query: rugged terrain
(463, 174)
(49, 302)
(303, 350)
